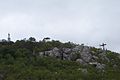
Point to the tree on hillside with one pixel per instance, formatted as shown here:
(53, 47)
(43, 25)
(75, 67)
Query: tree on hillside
(32, 39)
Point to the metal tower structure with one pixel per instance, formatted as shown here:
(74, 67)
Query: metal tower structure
(9, 39)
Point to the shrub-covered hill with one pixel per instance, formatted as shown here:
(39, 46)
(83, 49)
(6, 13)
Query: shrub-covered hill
(54, 60)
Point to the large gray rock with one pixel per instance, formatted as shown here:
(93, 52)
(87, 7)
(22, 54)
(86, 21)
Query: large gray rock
(80, 53)
(97, 65)
(66, 57)
(52, 53)
(81, 61)
(55, 49)
(73, 56)
(66, 50)
(78, 48)
(55, 52)
(104, 57)
(47, 53)
(95, 57)
(85, 54)
(100, 66)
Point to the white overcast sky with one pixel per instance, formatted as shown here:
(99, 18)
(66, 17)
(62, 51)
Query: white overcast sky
(81, 21)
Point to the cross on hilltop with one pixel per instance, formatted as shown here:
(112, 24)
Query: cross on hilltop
(103, 45)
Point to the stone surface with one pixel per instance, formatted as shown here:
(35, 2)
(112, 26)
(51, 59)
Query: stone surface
(95, 57)
(100, 66)
(81, 54)
(104, 57)
(85, 54)
(73, 56)
(78, 48)
(81, 61)
(97, 65)
(66, 50)
(56, 52)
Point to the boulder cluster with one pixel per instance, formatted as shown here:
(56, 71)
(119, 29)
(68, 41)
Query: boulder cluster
(80, 53)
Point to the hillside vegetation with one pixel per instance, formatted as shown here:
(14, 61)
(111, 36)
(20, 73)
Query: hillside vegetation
(54, 60)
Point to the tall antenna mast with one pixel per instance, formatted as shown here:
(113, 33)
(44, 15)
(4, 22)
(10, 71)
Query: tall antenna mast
(9, 39)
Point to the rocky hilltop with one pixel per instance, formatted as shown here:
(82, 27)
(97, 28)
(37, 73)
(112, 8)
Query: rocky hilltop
(55, 60)
(84, 55)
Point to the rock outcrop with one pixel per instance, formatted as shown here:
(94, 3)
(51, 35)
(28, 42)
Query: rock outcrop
(80, 53)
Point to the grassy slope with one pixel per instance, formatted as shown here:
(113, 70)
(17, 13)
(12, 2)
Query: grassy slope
(36, 68)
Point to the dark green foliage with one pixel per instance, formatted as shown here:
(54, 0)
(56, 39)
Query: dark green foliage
(17, 62)
(68, 45)
(32, 39)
